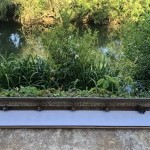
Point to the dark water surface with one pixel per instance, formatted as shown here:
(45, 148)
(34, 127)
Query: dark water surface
(11, 39)
(107, 40)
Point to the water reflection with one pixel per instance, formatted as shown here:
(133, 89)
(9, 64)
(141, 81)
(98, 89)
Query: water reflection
(15, 38)
(12, 41)
(113, 49)
(104, 49)
(10, 38)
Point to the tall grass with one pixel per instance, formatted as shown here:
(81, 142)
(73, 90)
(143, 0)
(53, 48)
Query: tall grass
(15, 72)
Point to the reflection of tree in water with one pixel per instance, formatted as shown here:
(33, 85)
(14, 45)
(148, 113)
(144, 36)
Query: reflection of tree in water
(10, 38)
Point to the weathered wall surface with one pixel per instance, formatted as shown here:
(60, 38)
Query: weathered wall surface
(74, 139)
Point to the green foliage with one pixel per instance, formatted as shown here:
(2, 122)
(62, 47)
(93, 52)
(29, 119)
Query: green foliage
(22, 91)
(70, 59)
(30, 91)
(93, 11)
(108, 10)
(15, 72)
(9, 10)
(67, 59)
(34, 92)
(79, 61)
(136, 40)
(109, 83)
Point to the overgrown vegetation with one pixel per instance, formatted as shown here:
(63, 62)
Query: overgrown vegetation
(80, 11)
(71, 60)
(34, 92)
(110, 11)
(136, 40)
(30, 70)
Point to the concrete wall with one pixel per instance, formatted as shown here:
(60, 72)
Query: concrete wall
(74, 139)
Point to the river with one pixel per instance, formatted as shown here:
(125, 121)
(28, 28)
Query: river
(12, 39)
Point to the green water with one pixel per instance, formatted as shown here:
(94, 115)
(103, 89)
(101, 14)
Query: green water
(11, 39)
(108, 41)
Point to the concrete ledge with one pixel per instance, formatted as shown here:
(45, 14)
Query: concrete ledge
(74, 139)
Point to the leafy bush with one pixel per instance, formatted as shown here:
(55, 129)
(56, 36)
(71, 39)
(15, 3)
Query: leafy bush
(79, 61)
(95, 11)
(104, 11)
(136, 42)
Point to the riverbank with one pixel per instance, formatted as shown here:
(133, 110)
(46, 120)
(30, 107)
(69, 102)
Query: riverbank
(50, 12)
(63, 55)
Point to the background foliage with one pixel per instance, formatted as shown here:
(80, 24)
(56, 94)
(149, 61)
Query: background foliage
(71, 59)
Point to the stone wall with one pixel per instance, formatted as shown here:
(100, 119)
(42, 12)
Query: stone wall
(74, 139)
